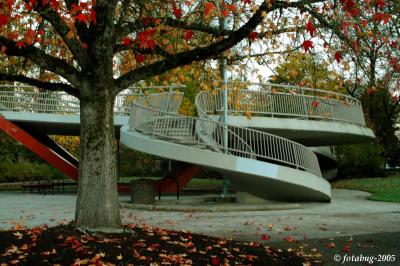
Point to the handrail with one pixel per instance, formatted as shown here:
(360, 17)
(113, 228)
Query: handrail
(290, 101)
(58, 102)
(179, 128)
(243, 142)
(270, 86)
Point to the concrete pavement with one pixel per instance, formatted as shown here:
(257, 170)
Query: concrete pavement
(349, 214)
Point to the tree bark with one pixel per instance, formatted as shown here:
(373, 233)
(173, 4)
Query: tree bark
(97, 202)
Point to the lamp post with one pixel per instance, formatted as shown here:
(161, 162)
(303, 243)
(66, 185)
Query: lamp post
(223, 63)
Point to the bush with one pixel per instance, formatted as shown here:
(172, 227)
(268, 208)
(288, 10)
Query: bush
(26, 171)
(360, 160)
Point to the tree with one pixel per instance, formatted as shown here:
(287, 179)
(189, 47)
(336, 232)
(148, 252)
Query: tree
(95, 49)
(307, 70)
(368, 48)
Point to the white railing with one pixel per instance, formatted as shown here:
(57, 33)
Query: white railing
(20, 98)
(203, 132)
(286, 101)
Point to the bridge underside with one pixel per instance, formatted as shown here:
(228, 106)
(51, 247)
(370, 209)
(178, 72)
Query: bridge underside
(54, 124)
(307, 132)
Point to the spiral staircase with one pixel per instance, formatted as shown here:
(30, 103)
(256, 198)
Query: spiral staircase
(256, 161)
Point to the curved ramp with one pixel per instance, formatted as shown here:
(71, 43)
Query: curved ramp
(265, 165)
(309, 116)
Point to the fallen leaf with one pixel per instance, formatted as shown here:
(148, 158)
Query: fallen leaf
(215, 261)
(346, 248)
(18, 235)
(331, 245)
(289, 239)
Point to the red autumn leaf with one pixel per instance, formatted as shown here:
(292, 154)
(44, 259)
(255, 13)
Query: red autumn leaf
(393, 44)
(215, 261)
(264, 237)
(10, 3)
(225, 13)
(75, 9)
(307, 45)
(93, 17)
(3, 20)
(144, 39)
(338, 56)
(81, 18)
(230, 7)
(20, 44)
(126, 41)
(246, 2)
(311, 28)
(287, 228)
(253, 35)
(382, 17)
(364, 23)
(177, 12)
(208, 8)
(29, 37)
(380, 3)
(187, 35)
(55, 4)
(395, 63)
(84, 5)
(140, 58)
(346, 248)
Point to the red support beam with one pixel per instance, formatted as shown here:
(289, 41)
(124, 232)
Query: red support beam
(38, 148)
(167, 184)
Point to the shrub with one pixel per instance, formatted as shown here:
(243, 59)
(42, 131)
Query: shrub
(360, 160)
(26, 171)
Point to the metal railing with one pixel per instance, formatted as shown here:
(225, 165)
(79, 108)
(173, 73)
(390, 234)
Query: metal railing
(284, 101)
(16, 98)
(204, 132)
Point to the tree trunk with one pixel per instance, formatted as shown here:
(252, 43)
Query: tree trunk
(97, 202)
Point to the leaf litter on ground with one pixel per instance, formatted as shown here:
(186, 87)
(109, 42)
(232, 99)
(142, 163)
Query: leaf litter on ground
(144, 245)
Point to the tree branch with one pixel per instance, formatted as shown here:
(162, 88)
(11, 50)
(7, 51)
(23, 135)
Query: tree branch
(63, 29)
(41, 84)
(233, 59)
(53, 64)
(201, 53)
(156, 50)
(138, 25)
(80, 27)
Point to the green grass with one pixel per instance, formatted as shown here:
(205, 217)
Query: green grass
(194, 183)
(382, 189)
(199, 183)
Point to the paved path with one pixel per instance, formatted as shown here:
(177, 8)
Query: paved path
(349, 214)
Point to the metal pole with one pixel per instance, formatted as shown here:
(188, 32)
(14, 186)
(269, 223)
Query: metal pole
(223, 63)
